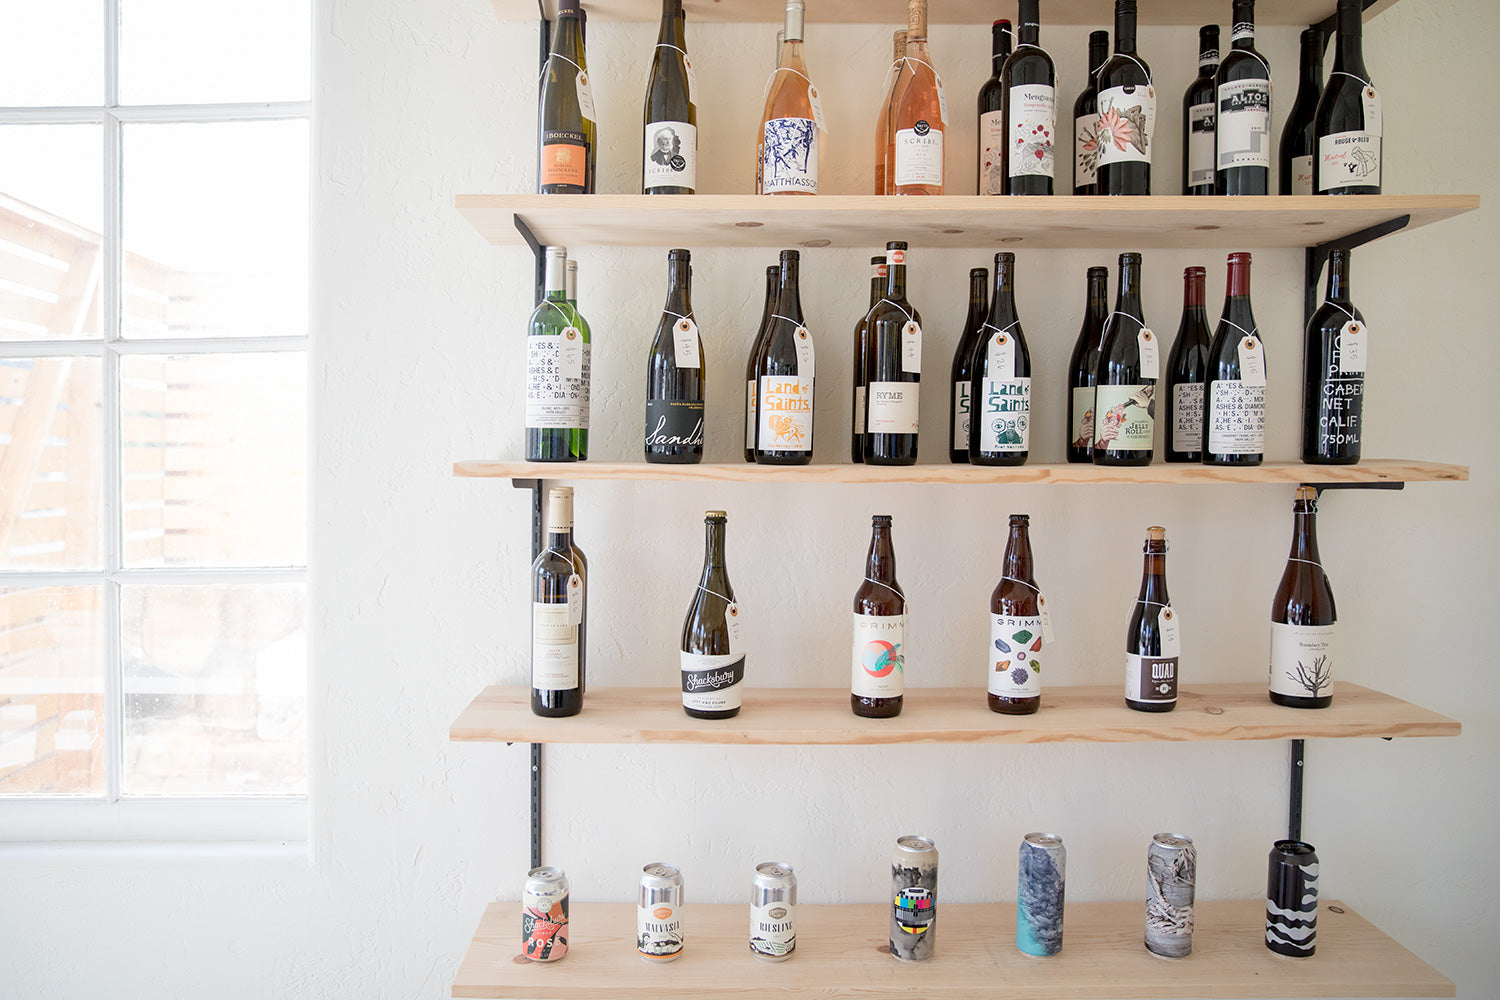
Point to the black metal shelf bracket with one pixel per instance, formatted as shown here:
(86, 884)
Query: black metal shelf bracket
(538, 489)
(1294, 806)
(1317, 256)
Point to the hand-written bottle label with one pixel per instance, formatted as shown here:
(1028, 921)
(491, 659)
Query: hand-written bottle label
(991, 150)
(1244, 124)
(961, 415)
(1348, 159)
(1187, 416)
(786, 413)
(1236, 418)
(670, 158)
(1015, 656)
(1033, 127)
(1150, 678)
(674, 423)
(551, 399)
(1201, 145)
(773, 929)
(687, 349)
(789, 160)
(1127, 124)
(1005, 415)
(554, 648)
(879, 667)
(919, 154)
(712, 683)
(1302, 174)
(564, 158)
(1085, 149)
(1302, 660)
(1350, 345)
(1082, 433)
(1125, 417)
(892, 407)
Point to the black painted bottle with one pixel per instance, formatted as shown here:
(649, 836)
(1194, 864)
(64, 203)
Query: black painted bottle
(1333, 382)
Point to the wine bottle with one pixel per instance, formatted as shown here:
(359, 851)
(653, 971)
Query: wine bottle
(1127, 113)
(1152, 640)
(992, 115)
(1243, 126)
(1086, 119)
(570, 283)
(1299, 138)
(861, 357)
(565, 111)
(893, 370)
(791, 124)
(919, 115)
(1198, 117)
(669, 160)
(1303, 617)
(713, 649)
(883, 122)
(1333, 384)
(1083, 367)
(1348, 123)
(1234, 395)
(773, 283)
(1125, 381)
(784, 378)
(1000, 431)
(1187, 368)
(559, 619)
(557, 372)
(963, 364)
(1016, 632)
(676, 374)
(1029, 87)
(879, 667)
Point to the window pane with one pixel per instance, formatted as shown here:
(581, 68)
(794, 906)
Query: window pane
(51, 185)
(51, 52)
(51, 461)
(214, 51)
(215, 689)
(51, 691)
(215, 459)
(215, 230)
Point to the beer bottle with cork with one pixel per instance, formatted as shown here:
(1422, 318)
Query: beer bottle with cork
(1152, 641)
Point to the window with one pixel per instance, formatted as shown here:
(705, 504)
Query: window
(154, 171)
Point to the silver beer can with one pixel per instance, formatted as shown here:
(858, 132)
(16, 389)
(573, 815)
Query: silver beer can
(1171, 883)
(544, 915)
(914, 869)
(658, 915)
(773, 912)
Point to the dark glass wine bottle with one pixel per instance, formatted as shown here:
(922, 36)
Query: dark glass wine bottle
(1333, 382)
(961, 405)
(565, 112)
(1029, 90)
(1243, 126)
(713, 652)
(1083, 367)
(1015, 685)
(861, 357)
(1124, 387)
(992, 114)
(559, 615)
(1086, 119)
(893, 371)
(675, 373)
(1187, 368)
(1152, 641)
(773, 282)
(557, 371)
(879, 667)
(1299, 139)
(1127, 113)
(669, 159)
(1303, 617)
(1349, 125)
(1198, 113)
(1000, 387)
(1234, 394)
(784, 378)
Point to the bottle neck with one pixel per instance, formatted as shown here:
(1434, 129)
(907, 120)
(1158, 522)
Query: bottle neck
(999, 46)
(1242, 30)
(877, 286)
(1310, 72)
(680, 287)
(1098, 295)
(788, 296)
(1128, 301)
(567, 38)
(713, 548)
(791, 56)
(1305, 534)
(895, 282)
(1003, 302)
(556, 279)
(1098, 53)
(793, 27)
(1154, 578)
(916, 48)
(1028, 26)
(1018, 554)
(672, 25)
(1238, 284)
(880, 563)
(773, 285)
(559, 524)
(1192, 291)
(1349, 50)
(1208, 54)
(1125, 28)
(1338, 280)
(977, 303)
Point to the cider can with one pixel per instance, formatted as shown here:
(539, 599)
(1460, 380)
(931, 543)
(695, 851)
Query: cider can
(773, 912)
(544, 915)
(658, 915)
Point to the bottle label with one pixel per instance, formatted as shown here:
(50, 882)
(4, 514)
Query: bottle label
(551, 399)
(712, 683)
(991, 149)
(1005, 415)
(1236, 418)
(1125, 417)
(1208, 59)
(1242, 31)
(1082, 432)
(961, 415)
(564, 159)
(544, 927)
(919, 154)
(1302, 174)
(879, 668)
(1127, 124)
(1341, 398)
(1016, 656)
(1150, 678)
(1201, 145)
(674, 423)
(773, 929)
(1244, 124)
(1033, 125)
(859, 409)
(658, 931)
(670, 158)
(893, 407)
(789, 161)
(1348, 159)
(750, 413)
(1187, 416)
(1302, 660)
(1085, 149)
(786, 413)
(554, 648)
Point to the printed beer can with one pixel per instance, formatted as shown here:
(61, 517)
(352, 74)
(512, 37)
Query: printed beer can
(1171, 882)
(1292, 899)
(544, 915)
(914, 870)
(773, 912)
(1039, 895)
(658, 916)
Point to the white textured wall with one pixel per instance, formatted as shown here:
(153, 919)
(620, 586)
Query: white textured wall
(421, 579)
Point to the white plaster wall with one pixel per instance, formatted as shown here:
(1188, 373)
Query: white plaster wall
(421, 579)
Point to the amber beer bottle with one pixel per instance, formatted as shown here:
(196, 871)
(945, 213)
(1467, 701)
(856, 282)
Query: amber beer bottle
(1015, 656)
(1152, 642)
(879, 667)
(1303, 617)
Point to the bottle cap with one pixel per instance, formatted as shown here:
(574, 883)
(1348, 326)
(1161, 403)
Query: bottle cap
(1307, 493)
(715, 515)
(1023, 518)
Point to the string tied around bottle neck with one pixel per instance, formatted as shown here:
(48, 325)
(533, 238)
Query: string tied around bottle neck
(987, 325)
(680, 315)
(1029, 586)
(909, 317)
(1339, 72)
(787, 318)
(562, 312)
(1249, 333)
(1309, 562)
(1144, 68)
(720, 596)
(568, 557)
(558, 55)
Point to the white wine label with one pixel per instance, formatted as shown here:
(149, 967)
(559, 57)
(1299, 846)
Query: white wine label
(803, 342)
(859, 409)
(1236, 418)
(554, 648)
(1082, 433)
(817, 108)
(1302, 660)
(1351, 347)
(1348, 159)
(1168, 627)
(1302, 174)
(750, 413)
(671, 155)
(991, 149)
(786, 413)
(1252, 357)
(585, 96)
(1005, 415)
(1041, 606)
(892, 407)
(712, 683)
(789, 158)
(1033, 125)
(686, 350)
(879, 667)
(1202, 146)
(1150, 678)
(773, 929)
(734, 622)
(961, 415)
(1015, 656)
(1125, 417)
(911, 348)
(1000, 353)
(1243, 127)
(658, 932)
(570, 356)
(553, 400)
(1146, 344)
(1085, 149)
(1187, 416)
(1126, 125)
(919, 154)
(1370, 99)
(575, 599)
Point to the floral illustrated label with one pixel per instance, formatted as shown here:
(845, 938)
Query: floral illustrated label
(1081, 435)
(544, 927)
(1015, 656)
(789, 157)
(786, 412)
(1127, 124)
(658, 932)
(1125, 417)
(1302, 660)
(1033, 126)
(1085, 150)
(670, 158)
(991, 150)
(879, 667)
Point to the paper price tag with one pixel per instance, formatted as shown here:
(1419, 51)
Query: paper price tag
(1352, 343)
(1147, 342)
(570, 358)
(692, 78)
(1252, 361)
(585, 95)
(575, 599)
(942, 101)
(685, 347)
(911, 347)
(734, 620)
(1002, 356)
(1370, 98)
(817, 108)
(1041, 607)
(803, 341)
(1171, 638)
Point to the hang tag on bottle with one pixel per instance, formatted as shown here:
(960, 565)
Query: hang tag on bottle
(911, 348)
(1171, 636)
(570, 358)
(1352, 343)
(1252, 361)
(1041, 608)
(734, 621)
(1146, 342)
(942, 100)
(692, 78)
(1370, 98)
(585, 95)
(803, 341)
(817, 108)
(575, 599)
(685, 344)
(1002, 356)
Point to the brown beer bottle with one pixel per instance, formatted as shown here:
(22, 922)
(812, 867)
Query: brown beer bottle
(879, 668)
(1152, 640)
(1303, 617)
(1015, 655)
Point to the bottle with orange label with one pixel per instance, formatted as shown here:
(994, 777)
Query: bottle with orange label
(565, 111)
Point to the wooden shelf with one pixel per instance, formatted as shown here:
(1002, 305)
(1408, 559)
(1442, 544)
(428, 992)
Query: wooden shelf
(965, 221)
(821, 717)
(842, 955)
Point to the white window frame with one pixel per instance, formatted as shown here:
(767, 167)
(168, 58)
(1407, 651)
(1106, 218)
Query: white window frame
(41, 821)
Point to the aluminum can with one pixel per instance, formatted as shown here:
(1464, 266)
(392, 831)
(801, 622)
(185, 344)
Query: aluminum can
(658, 915)
(1171, 882)
(773, 912)
(914, 871)
(1039, 895)
(544, 915)
(1292, 899)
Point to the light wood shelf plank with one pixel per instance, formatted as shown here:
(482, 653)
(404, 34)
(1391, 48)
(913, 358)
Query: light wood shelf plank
(821, 717)
(841, 956)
